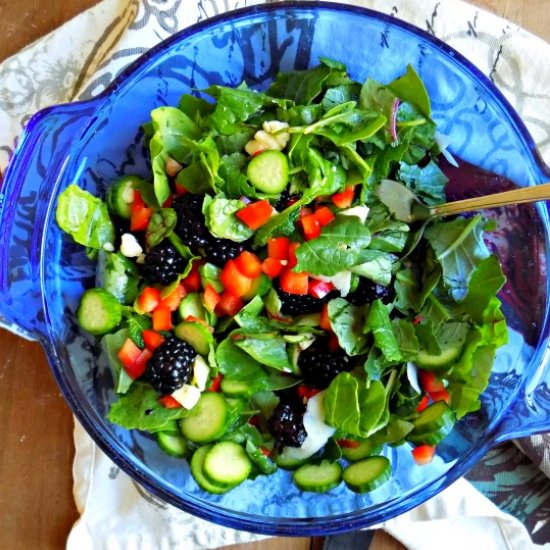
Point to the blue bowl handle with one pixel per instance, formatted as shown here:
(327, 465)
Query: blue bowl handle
(28, 184)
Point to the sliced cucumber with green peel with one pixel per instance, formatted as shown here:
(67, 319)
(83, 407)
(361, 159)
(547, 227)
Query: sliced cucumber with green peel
(207, 420)
(433, 424)
(99, 311)
(433, 361)
(318, 478)
(197, 471)
(268, 172)
(210, 275)
(260, 286)
(288, 462)
(367, 474)
(192, 306)
(227, 464)
(195, 334)
(365, 448)
(236, 388)
(120, 195)
(173, 444)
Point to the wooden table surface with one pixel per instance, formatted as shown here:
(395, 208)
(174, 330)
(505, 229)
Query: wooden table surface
(36, 504)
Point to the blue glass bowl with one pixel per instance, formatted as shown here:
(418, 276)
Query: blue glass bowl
(43, 274)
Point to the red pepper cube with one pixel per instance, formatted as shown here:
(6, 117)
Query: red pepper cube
(138, 203)
(133, 359)
(277, 248)
(192, 283)
(249, 264)
(442, 395)
(424, 402)
(233, 280)
(255, 214)
(149, 299)
(230, 304)
(152, 339)
(319, 289)
(325, 320)
(139, 219)
(348, 443)
(172, 301)
(423, 454)
(292, 260)
(169, 402)
(180, 189)
(333, 343)
(210, 297)
(162, 319)
(272, 267)
(345, 198)
(307, 392)
(293, 283)
(429, 382)
(311, 227)
(216, 383)
(324, 215)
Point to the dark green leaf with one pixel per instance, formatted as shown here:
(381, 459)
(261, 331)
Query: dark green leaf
(161, 225)
(347, 323)
(378, 323)
(428, 182)
(410, 87)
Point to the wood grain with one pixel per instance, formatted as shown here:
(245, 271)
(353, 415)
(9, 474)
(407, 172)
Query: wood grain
(36, 449)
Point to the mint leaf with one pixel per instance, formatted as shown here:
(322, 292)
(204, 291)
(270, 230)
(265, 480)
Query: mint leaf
(136, 325)
(347, 323)
(161, 225)
(139, 409)
(341, 245)
(459, 247)
(378, 323)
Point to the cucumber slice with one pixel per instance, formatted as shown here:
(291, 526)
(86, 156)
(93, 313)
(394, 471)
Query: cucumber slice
(433, 424)
(192, 305)
(207, 420)
(197, 471)
(195, 334)
(210, 275)
(99, 311)
(272, 302)
(120, 195)
(268, 172)
(288, 462)
(366, 447)
(367, 474)
(260, 286)
(117, 275)
(318, 478)
(171, 443)
(236, 388)
(227, 464)
(444, 358)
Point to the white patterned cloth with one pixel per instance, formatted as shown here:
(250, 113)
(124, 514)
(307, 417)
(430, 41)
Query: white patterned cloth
(79, 60)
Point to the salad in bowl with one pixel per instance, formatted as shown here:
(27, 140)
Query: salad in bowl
(260, 306)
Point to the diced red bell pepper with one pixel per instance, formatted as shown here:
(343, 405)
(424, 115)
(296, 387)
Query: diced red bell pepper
(172, 301)
(139, 219)
(255, 214)
(169, 402)
(138, 203)
(249, 264)
(324, 215)
(152, 339)
(180, 189)
(417, 320)
(162, 319)
(429, 382)
(292, 260)
(311, 227)
(168, 202)
(319, 289)
(348, 443)
(133, 359)
(192, 282)
(265, 451)
(325, 320)
(333, 343)
(305, 211)
(194, 319)
(229, 304)
(293, 283)
(272, 267)
(216, 382)
(442, 395)
(277, 248)
(149, 299)
(345, 198)
(254, 420)
(424, 402)
(307, 392)
(233, 280)
(210, 297)
(423, 454)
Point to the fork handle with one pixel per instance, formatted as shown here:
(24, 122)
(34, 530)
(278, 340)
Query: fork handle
(516, 196)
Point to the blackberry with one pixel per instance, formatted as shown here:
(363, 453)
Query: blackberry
(301, 304)
(191, 227)
(218, 251)
(284, 200)
(170, 365)
(162, 264)
(367, 291)
(319, 365)
(286, 424)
